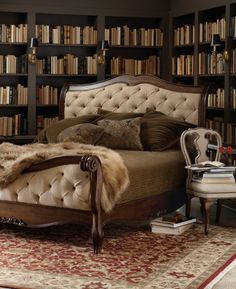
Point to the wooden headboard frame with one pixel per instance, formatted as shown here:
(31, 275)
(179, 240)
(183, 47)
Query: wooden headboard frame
(125, 82)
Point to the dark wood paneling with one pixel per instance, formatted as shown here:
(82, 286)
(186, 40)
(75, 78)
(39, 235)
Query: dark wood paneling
(186, 6)
(103, 7)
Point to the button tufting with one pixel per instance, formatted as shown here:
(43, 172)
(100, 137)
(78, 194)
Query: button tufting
(62, 174)
(50, 185)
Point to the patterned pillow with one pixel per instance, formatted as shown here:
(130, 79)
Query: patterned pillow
(123, 134)
(86, 133)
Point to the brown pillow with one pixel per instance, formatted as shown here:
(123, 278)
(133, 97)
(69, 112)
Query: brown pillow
(107, 114)
(86, 133)
(124, 134)
(160, 132)
(50, 133)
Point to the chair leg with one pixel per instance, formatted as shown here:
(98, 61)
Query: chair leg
(206, 204)
(218, 211)
(188, 205)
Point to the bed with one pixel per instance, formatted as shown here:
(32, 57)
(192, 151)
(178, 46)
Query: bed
(59, 185)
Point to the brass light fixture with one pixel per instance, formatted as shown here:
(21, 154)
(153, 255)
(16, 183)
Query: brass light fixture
(33, 45)
(215, 41)
(102, 52)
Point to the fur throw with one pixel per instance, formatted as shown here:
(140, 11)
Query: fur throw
(15, 159)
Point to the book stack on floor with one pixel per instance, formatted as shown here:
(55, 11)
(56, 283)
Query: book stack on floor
(213, 173)
(174, 224)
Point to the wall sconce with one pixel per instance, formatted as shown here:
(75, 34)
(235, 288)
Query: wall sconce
(33, 45)
(102, 52)
(215, 41)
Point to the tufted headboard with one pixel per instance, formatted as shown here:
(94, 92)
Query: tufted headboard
(135, 94)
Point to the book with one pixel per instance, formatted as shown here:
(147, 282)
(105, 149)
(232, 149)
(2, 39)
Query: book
(168, 230)
(222, 180)
(165, 223)
(174, 223)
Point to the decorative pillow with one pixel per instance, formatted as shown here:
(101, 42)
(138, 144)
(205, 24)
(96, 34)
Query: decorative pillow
(124, 134)
(160, 132)
(86, 133)
(50, 133)
(107, 114)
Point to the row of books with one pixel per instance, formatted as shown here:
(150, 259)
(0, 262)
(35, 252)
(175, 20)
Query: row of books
(125, 35)
(13, 64)
(182, 65)
(184, 35)
(210, 63)
(13, 126)
(119, 65)
(13, 33)
(66, 34)
(43, 122)
(14, 94)
(47, 94)
(216, 99)
(67, 64)
(206, 29)
(174, 224)
(226, 130)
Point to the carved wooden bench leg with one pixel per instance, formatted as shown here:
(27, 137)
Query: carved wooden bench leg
(97, 234)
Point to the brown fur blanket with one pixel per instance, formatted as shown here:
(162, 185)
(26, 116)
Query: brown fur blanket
(15, 159)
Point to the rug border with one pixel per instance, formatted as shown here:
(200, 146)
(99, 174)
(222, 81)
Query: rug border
(219, 270)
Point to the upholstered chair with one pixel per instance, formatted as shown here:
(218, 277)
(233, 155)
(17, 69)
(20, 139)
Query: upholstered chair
(209, 193)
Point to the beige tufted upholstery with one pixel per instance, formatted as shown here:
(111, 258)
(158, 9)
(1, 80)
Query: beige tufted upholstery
(63, 186)
(121, 97)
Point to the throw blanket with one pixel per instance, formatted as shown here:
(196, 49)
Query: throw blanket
(14, 159)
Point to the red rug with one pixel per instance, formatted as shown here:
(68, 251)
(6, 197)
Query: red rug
(62, 257)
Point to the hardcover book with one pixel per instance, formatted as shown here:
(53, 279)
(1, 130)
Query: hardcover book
(171, 224)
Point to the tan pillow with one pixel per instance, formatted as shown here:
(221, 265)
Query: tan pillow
(160, 132)
(86, 133)
(124, 134)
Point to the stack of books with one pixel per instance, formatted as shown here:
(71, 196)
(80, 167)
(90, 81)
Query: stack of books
(213, 173)
(171, 224)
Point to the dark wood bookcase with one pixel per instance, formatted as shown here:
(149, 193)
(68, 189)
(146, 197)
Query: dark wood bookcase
(14, 75)
(207, 21)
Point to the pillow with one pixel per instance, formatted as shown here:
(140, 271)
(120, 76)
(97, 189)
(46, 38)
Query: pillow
(160, 132)
(124, 134)
(107, 114)
(50, 133)
(86, 133)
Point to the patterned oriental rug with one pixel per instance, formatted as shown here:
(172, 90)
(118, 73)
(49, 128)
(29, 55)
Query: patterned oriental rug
(62, 257)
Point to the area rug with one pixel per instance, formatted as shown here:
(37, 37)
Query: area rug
(132, 257)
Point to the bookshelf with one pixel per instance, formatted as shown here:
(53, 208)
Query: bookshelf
(13, 72)
(135, 45)
(198, 25)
